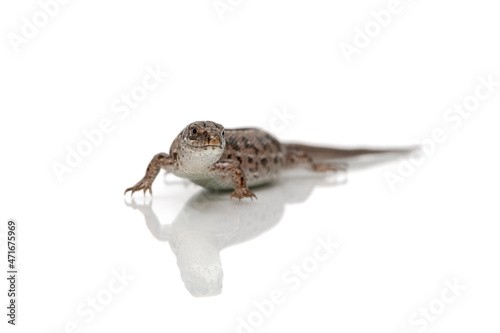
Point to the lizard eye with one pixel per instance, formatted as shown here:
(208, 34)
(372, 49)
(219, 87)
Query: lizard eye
(193, 131)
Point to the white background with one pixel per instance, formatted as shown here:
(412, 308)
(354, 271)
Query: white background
(397, 247)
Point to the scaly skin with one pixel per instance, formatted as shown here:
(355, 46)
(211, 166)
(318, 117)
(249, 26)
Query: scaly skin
(215, 158)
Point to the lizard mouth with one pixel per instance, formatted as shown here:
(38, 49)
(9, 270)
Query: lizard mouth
(206, 146)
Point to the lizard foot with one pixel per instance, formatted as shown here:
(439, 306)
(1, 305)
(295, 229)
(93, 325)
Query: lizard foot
(242, 193)
(144, 185)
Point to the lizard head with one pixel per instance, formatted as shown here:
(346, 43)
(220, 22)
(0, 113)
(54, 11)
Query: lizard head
(202, 142)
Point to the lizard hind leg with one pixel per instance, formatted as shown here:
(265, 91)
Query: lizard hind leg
(296, 158)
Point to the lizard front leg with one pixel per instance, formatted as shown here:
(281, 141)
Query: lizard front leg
(232, 169)
(160, 161)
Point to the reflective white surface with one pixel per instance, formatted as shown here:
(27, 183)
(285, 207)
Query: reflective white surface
(395, 255)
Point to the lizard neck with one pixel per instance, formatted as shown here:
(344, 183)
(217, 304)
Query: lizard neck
(197, 160)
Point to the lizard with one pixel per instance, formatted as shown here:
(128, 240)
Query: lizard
(216, 158)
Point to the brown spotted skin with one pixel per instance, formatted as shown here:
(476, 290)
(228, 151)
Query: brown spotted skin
(217, 158)
(259, 154)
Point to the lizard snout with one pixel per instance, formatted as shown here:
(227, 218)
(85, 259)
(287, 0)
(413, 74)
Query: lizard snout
(214, 140)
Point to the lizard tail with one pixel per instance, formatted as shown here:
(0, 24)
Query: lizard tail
(327, 153)
(360, 156)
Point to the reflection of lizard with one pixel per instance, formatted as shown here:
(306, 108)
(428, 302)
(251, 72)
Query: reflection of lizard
(215, 158)
(209, 223)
